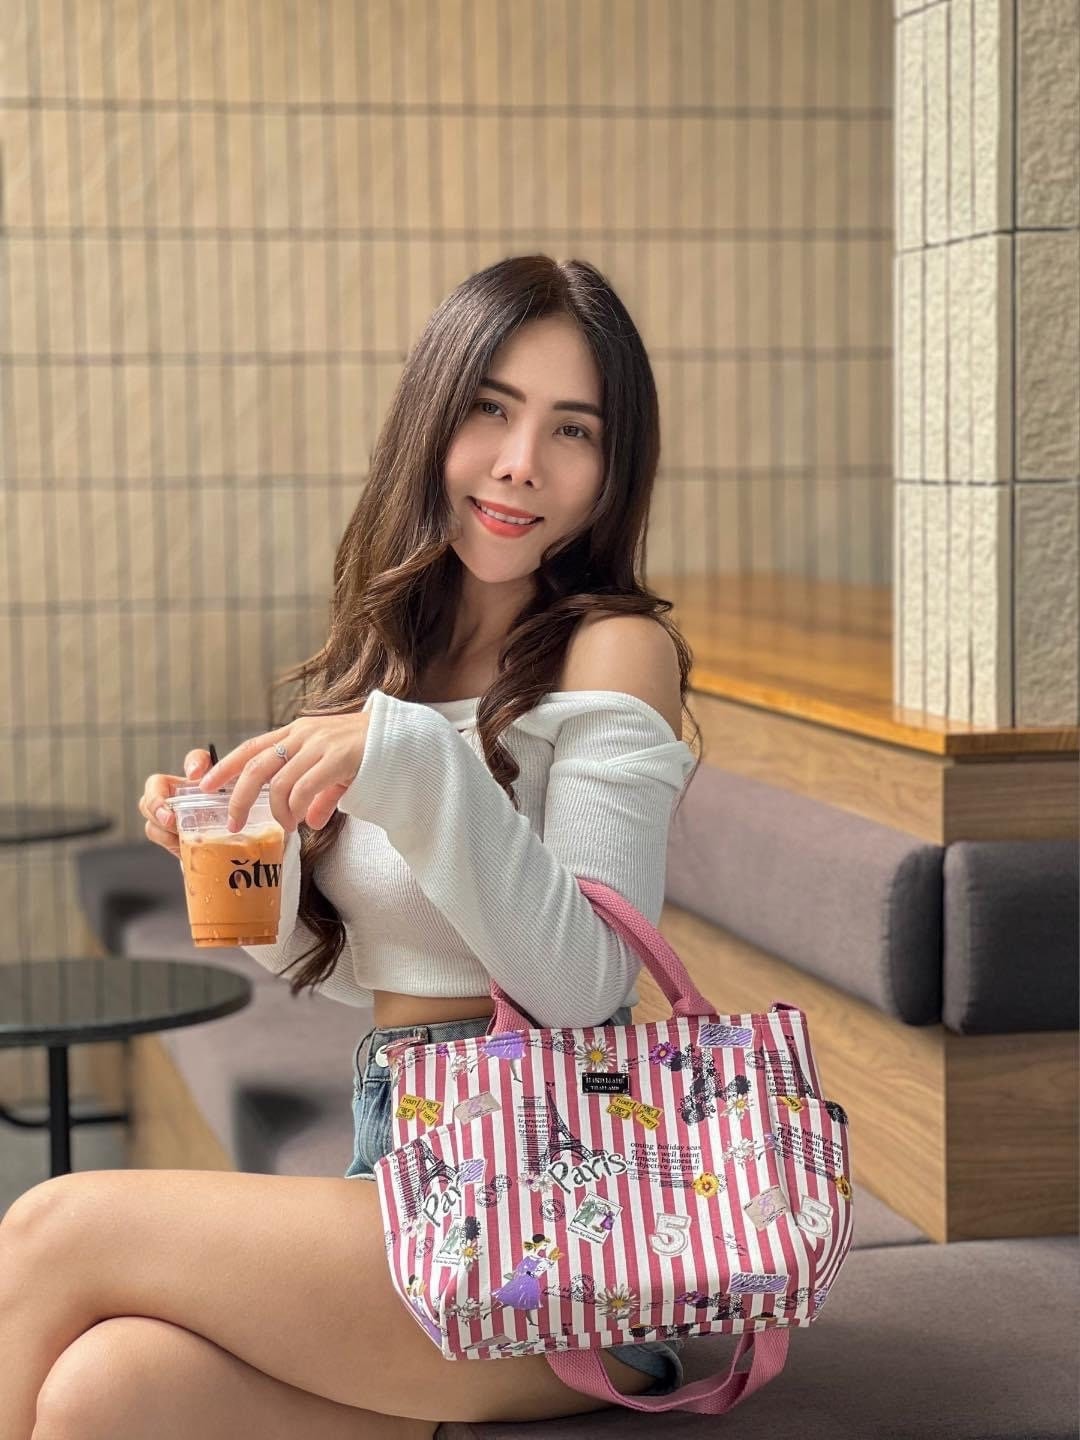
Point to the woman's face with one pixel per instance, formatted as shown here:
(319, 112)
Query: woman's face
(532, 442)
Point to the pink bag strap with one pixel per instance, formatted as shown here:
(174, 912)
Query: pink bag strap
(582, 1371)
(644, 939)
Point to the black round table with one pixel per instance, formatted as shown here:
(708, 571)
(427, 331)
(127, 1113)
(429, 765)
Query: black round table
(57, 1003)
(24, 824)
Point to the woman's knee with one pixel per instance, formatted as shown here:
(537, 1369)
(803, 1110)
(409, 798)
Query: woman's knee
(30, 1211)
(50, 1247)
(33, 1228)
(98, 1387)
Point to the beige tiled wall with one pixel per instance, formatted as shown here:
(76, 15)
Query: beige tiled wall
(224, 224)
(988, 360)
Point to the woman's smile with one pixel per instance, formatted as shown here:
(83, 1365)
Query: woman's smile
(508, 529)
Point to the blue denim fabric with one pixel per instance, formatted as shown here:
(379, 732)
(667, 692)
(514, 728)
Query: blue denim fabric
(373, 1137)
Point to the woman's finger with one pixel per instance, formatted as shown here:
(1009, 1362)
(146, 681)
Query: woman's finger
(230, 766)
(196, 764)
(155, 787)
(151, 797)
(265, 768)
(158, 789)
(161, 837)
(281, 782)
(322, 808)
(311, 784)
(290, 780)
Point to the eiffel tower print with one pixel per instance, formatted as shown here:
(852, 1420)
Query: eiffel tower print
(558, 1137)
(417, 1166)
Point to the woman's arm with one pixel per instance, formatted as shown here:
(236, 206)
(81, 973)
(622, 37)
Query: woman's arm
(617, 770)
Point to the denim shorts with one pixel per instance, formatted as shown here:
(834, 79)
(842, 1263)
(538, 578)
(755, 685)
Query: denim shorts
(373, 1137)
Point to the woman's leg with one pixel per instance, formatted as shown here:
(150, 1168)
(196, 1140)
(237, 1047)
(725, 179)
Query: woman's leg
(139, 1379)
(288, 1274)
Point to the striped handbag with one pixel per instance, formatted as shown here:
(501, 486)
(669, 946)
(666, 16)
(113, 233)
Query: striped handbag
(559, 1191)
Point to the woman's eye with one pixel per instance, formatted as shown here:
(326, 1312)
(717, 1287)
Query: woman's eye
(496, 409)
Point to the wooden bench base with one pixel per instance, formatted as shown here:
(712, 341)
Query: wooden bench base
(968, 1136)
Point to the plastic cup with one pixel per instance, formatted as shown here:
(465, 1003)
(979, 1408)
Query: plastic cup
(232, 878)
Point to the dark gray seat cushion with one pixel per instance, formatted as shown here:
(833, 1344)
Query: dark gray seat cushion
(118, 882)
(917, 1342)
(853, 902)
(1012, 936)
(982, 937)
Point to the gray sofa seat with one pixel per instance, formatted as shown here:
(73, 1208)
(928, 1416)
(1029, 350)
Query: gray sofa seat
(981, 937)
(917, 1341)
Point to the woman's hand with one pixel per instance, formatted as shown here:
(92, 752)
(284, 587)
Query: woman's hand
(160, 821)
(308, 764)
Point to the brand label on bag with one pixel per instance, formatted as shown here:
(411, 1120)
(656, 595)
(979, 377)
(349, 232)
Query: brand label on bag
(614, 1082)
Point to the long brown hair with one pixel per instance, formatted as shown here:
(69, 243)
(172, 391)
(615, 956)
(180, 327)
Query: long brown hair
(397, 580)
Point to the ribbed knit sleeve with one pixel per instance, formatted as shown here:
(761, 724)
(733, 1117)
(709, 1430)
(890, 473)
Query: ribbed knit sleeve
(509, 893)
(294, 937)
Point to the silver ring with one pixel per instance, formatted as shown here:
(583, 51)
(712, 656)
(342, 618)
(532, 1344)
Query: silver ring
(281, 752)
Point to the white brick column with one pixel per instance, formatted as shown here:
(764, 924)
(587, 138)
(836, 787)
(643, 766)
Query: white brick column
(987, 360)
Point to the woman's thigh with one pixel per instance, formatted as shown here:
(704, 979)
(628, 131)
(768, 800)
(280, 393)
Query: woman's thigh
(287, 1273)
(130, 1378)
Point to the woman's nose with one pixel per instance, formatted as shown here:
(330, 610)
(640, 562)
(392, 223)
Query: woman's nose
(520, 454)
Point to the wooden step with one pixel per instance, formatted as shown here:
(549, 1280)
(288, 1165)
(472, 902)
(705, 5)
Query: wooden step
(822, 652)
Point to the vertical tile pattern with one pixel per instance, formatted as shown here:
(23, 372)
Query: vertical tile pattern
(223, 228)
(1048, 355)
(1048, 113)
(935, 549)
(935, 387)
(991, 358)
(1047, 620)
(911, 132)
(935, 79)
(988, 352)
(912, 365)
(959, 118)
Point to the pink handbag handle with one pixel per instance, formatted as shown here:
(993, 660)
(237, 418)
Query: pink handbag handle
(655, 953)
(582, 1371)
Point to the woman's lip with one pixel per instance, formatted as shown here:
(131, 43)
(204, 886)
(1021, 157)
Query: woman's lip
(535, 518)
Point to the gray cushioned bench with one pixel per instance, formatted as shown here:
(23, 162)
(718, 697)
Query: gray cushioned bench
(926, 933)
(975, 1339)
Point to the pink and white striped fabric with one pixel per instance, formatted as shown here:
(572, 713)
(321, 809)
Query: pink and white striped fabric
(560, 1191)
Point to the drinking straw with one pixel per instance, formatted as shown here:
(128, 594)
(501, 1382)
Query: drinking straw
(213, 761)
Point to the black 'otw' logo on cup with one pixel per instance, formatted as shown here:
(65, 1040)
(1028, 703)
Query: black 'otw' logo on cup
(261, 876)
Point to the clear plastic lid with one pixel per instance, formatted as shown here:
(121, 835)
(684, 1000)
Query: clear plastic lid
(197, 809)
(195, 790)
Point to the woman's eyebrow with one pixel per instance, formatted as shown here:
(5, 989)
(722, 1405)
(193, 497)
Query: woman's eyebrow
(580, 405)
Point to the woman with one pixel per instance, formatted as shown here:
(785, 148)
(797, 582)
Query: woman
(464, 654)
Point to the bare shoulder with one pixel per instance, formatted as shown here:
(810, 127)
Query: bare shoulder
(629, 653)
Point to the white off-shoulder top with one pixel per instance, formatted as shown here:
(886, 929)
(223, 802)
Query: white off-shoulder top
(441, 884)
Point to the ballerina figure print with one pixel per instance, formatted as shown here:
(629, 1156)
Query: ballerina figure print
(522, 1288)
